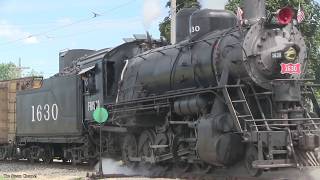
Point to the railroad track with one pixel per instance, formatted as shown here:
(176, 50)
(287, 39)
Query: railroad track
(185, 176)
(177, 173)
(236, 173)
(66, 169)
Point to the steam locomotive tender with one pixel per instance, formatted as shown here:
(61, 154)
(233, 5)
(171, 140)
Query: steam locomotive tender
(224, 93)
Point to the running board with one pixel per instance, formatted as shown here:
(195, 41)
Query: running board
(278, 163)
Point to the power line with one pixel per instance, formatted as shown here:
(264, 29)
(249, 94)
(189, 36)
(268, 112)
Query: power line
(82, 32)
(95, 15)
(50, 37)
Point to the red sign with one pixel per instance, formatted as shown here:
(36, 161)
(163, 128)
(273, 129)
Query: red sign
(290, 68)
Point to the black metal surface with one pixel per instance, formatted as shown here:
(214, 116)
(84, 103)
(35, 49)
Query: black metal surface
(205, 101)
(208, 20)
(219, 149)
(52, 110)
(182, 23)
(67, 57)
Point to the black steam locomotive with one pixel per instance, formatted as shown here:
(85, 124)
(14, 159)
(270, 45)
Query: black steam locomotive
(223, 93)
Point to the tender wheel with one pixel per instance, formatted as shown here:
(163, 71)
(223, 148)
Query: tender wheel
(31, 160)
(252, 155)
(93, 161)
(129, 148)
(47, 155)
(34, 154)
(3, 153)
(65, 161)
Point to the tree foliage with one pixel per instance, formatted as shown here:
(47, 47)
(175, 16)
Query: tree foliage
(9, 71)
(310, 28)
(164, 26)
(32, 73)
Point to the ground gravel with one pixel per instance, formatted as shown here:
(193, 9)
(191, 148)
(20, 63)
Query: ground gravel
(56, 170)
(22, 170)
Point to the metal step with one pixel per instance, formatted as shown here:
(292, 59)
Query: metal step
(159, 146)
(188, 139)
(276, 163)
(238, 101)
(279, 151)
(243, 116)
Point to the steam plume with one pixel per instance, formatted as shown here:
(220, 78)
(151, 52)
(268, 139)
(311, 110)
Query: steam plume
(110, 166)
(151, 11)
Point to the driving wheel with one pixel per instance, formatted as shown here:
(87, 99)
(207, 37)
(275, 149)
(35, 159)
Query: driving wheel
(146, 139)
(129, 149)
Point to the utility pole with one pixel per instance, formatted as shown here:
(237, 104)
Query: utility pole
(20, 68)
(173, 20)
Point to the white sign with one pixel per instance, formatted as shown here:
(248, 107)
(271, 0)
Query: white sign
(92, 105)
(45, 112)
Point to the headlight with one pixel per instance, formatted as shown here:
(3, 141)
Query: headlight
(290, 54)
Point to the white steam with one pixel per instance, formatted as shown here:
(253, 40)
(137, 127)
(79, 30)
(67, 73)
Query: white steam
(213, 4)
(110, 166)
(151, 11)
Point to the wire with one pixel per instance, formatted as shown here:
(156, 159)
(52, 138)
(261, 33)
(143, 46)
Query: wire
(70, 24)
(83, 32)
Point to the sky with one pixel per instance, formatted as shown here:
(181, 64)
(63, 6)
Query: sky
(37, 30)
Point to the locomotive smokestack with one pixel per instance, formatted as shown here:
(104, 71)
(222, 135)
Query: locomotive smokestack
(254, 10)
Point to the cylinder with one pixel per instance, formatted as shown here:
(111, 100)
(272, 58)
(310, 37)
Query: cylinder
(190, 105)
(254, 10)
(215, 148)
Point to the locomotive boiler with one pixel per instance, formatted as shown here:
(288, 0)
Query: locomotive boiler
(227, 92)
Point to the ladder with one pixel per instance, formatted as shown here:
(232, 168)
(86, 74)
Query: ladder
(239, 108)
(259, 106)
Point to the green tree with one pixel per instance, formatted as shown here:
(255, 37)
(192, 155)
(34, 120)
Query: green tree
(9, 71)
(164, 26)
(310, 28)
(32, 73)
